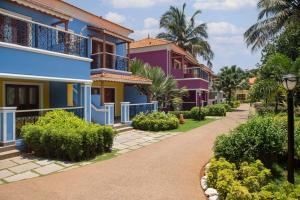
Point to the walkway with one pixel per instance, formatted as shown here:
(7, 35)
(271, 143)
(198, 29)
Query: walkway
(165, 170)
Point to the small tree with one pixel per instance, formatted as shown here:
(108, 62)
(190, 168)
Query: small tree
(229, 79)
(163, 89)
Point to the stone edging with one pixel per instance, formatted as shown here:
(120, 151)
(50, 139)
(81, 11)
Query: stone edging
(210, 193)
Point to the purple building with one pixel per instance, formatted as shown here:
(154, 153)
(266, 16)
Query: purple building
(175, 61)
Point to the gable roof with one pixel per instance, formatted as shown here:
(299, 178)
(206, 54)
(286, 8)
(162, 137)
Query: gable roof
(66, 10)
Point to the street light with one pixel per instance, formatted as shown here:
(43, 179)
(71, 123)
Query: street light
(289, 83)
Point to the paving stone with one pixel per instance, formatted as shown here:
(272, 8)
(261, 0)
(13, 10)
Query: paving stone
(44, 162)
(48, 169)
(124, 151)
(85, 163)
(24, 167)
(5, 173)
(69, 168)
(120, 147)
(22, 160)
(146, 143)
(130, 143)
(66, 164)
(22, 176)
(6, 164)
(134, 147)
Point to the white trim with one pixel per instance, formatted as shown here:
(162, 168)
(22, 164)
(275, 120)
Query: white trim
(49, 109)
(4, 126)
(140, 104)
(149, 48)
(111, 70)
(40, 85)
(121, 81)
(43, 78)
(183, 79)
(45, 52)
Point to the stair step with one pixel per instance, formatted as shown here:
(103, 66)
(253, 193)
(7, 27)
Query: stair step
(118, 126)
(7, 148)
(9, 154)
(125, 129)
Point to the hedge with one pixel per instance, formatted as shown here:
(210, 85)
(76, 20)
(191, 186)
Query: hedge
(247, 181)
(215, 110)
(186, 114)
(62, 135)
(156, 121)
(259, 138)
(196, 115)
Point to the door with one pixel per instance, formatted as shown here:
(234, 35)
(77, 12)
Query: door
(109, 95)
(24, 97)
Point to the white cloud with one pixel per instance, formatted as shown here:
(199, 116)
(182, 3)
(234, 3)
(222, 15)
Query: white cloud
(223, 28)
(150, 23)
(115, 17)
(223, 4)
(136, 3)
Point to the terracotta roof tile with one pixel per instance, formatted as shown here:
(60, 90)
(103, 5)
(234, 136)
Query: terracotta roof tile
(148, 42)
(121, 78)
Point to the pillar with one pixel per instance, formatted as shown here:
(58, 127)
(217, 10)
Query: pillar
(7, 126)
(86, 101)
(125, 112)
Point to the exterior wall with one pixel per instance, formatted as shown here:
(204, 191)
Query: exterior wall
(242, 92)
(154, 58)
(119, 93)
(44, 88)
(29, 63)
(193, 84)
(132, 95)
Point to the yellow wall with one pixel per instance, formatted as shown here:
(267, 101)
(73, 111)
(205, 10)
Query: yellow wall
(44, 85)
(246, 92)
(119, 90)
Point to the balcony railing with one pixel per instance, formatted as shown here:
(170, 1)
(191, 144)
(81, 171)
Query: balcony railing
(27, 33)
(113, 61)
(195, 72)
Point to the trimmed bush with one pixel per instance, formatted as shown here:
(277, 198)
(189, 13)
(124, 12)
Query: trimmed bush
(235, 104)
(226, 106)
(186, 114)
(62, 135)
(259, 138)
(242, 182)
(215, 110)
(196, 115)
(156, 121)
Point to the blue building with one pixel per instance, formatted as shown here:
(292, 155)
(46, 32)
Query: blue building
(57, 56)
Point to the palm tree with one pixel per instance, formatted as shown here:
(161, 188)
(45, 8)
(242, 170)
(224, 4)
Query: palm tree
(229, 79)
(185, 33)
(163, 88)
(273, 17)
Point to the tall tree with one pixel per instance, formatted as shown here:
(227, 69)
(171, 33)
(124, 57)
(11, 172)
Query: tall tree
(186, 33)
(230, 79)
(274, 15)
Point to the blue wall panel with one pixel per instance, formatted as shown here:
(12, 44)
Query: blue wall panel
(29, 63)
(10, 126)
(58, 95)
(132, 95)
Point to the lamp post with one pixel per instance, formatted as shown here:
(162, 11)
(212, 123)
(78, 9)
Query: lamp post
(289, 82)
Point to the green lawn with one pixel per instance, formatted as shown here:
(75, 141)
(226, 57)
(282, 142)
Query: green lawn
(105, 156)
(191, 124)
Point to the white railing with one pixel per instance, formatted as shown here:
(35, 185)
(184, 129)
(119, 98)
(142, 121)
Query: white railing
(103, 115)
(128, 110)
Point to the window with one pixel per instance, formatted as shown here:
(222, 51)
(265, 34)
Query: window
(177, 64)
(96, 91)
(241, 97)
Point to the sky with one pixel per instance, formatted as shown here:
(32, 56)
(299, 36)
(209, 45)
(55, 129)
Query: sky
(226, 21)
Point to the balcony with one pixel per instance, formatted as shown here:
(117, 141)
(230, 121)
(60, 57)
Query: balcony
(112, 61)
(195, 72)
(16, 30)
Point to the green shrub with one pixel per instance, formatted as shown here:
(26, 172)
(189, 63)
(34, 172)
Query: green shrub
(242, 182)
(62, 135)
(226, 106)
(157, 121)
(235, 104)
(196, 115)
(259, 138)
(216, 110)
(186, 114)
